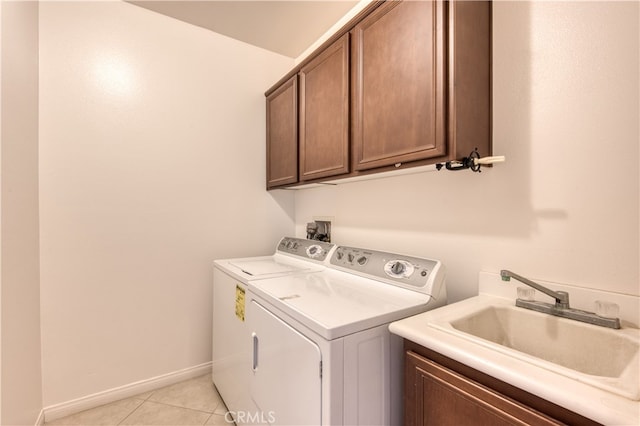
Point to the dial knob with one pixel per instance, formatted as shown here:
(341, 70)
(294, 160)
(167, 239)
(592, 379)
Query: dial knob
(398, 269)
(362, 260)
(350, 257)
(339, 255)
(314, 251)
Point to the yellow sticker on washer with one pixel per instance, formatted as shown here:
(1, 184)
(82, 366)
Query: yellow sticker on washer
(240, 303)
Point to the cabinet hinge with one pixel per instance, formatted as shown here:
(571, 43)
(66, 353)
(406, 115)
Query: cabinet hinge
(321, 369)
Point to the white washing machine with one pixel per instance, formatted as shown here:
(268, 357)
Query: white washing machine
(321, 351)
(231, 369)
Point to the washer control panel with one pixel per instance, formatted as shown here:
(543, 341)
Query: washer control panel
(405, 271)
(309, 249)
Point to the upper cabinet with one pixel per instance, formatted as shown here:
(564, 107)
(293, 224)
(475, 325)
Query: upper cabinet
(398, 100)
(282, 134)
(405, 83)
(324, 113)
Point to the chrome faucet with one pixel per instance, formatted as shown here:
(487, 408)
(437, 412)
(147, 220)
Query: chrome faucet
(561, 307)
(562, 297)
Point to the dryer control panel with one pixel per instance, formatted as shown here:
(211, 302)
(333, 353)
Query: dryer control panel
(410, 272)
(308, 249)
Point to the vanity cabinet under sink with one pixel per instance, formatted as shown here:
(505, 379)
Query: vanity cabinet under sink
(441, 391)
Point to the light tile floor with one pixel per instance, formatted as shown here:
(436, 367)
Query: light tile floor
(192, 402)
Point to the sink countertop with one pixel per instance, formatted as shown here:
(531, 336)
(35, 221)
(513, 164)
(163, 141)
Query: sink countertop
(584, 399)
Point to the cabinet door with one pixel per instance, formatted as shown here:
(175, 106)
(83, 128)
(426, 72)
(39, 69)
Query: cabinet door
(282, 135)
(435, 395)
(324, 113)
(398, 91)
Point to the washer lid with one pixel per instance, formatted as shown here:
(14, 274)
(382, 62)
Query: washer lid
(256, 268)
(271, 266)
(335, 304)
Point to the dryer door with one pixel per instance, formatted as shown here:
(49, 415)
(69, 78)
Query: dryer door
(286, 384)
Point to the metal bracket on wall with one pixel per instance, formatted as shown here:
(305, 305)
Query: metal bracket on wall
(473, 162)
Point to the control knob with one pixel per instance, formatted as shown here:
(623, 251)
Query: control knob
(398, 269)
(314, 251)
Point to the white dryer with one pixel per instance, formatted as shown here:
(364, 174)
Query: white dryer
(321, 350)
(231, 351)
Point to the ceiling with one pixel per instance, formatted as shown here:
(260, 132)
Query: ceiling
(285, 27)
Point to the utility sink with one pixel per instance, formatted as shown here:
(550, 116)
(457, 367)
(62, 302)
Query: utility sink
(602, 357)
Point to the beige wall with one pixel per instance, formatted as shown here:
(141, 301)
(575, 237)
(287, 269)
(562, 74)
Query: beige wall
(152, 146)
(21, 382)
(564, 207)
(151, 169)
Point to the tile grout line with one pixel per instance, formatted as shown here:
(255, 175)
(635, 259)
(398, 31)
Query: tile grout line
(148, 399)
(173, 406)
(185, 408)
(139, 405)
(208, 418)
(142, 401)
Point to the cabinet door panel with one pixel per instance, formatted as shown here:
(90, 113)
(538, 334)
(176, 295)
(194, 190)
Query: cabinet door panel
(436, 395)
(324, 113)
(282, 135)
(399, 84)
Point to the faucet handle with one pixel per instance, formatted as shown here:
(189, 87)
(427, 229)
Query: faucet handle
(562, 300)
(526, 293)
(607, 309)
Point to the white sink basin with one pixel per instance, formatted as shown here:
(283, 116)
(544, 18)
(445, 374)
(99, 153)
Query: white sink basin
(602, 357)
(590, 370)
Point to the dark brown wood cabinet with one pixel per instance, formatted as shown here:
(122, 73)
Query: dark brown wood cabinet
(324, 113)
(399, 95)
(439, 391)
(403, 84)
(282, 134)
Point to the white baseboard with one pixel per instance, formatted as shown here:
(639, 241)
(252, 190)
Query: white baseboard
(64, 409)
(40, 419)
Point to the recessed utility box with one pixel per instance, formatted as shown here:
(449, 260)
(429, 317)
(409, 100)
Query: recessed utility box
(319, 230)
